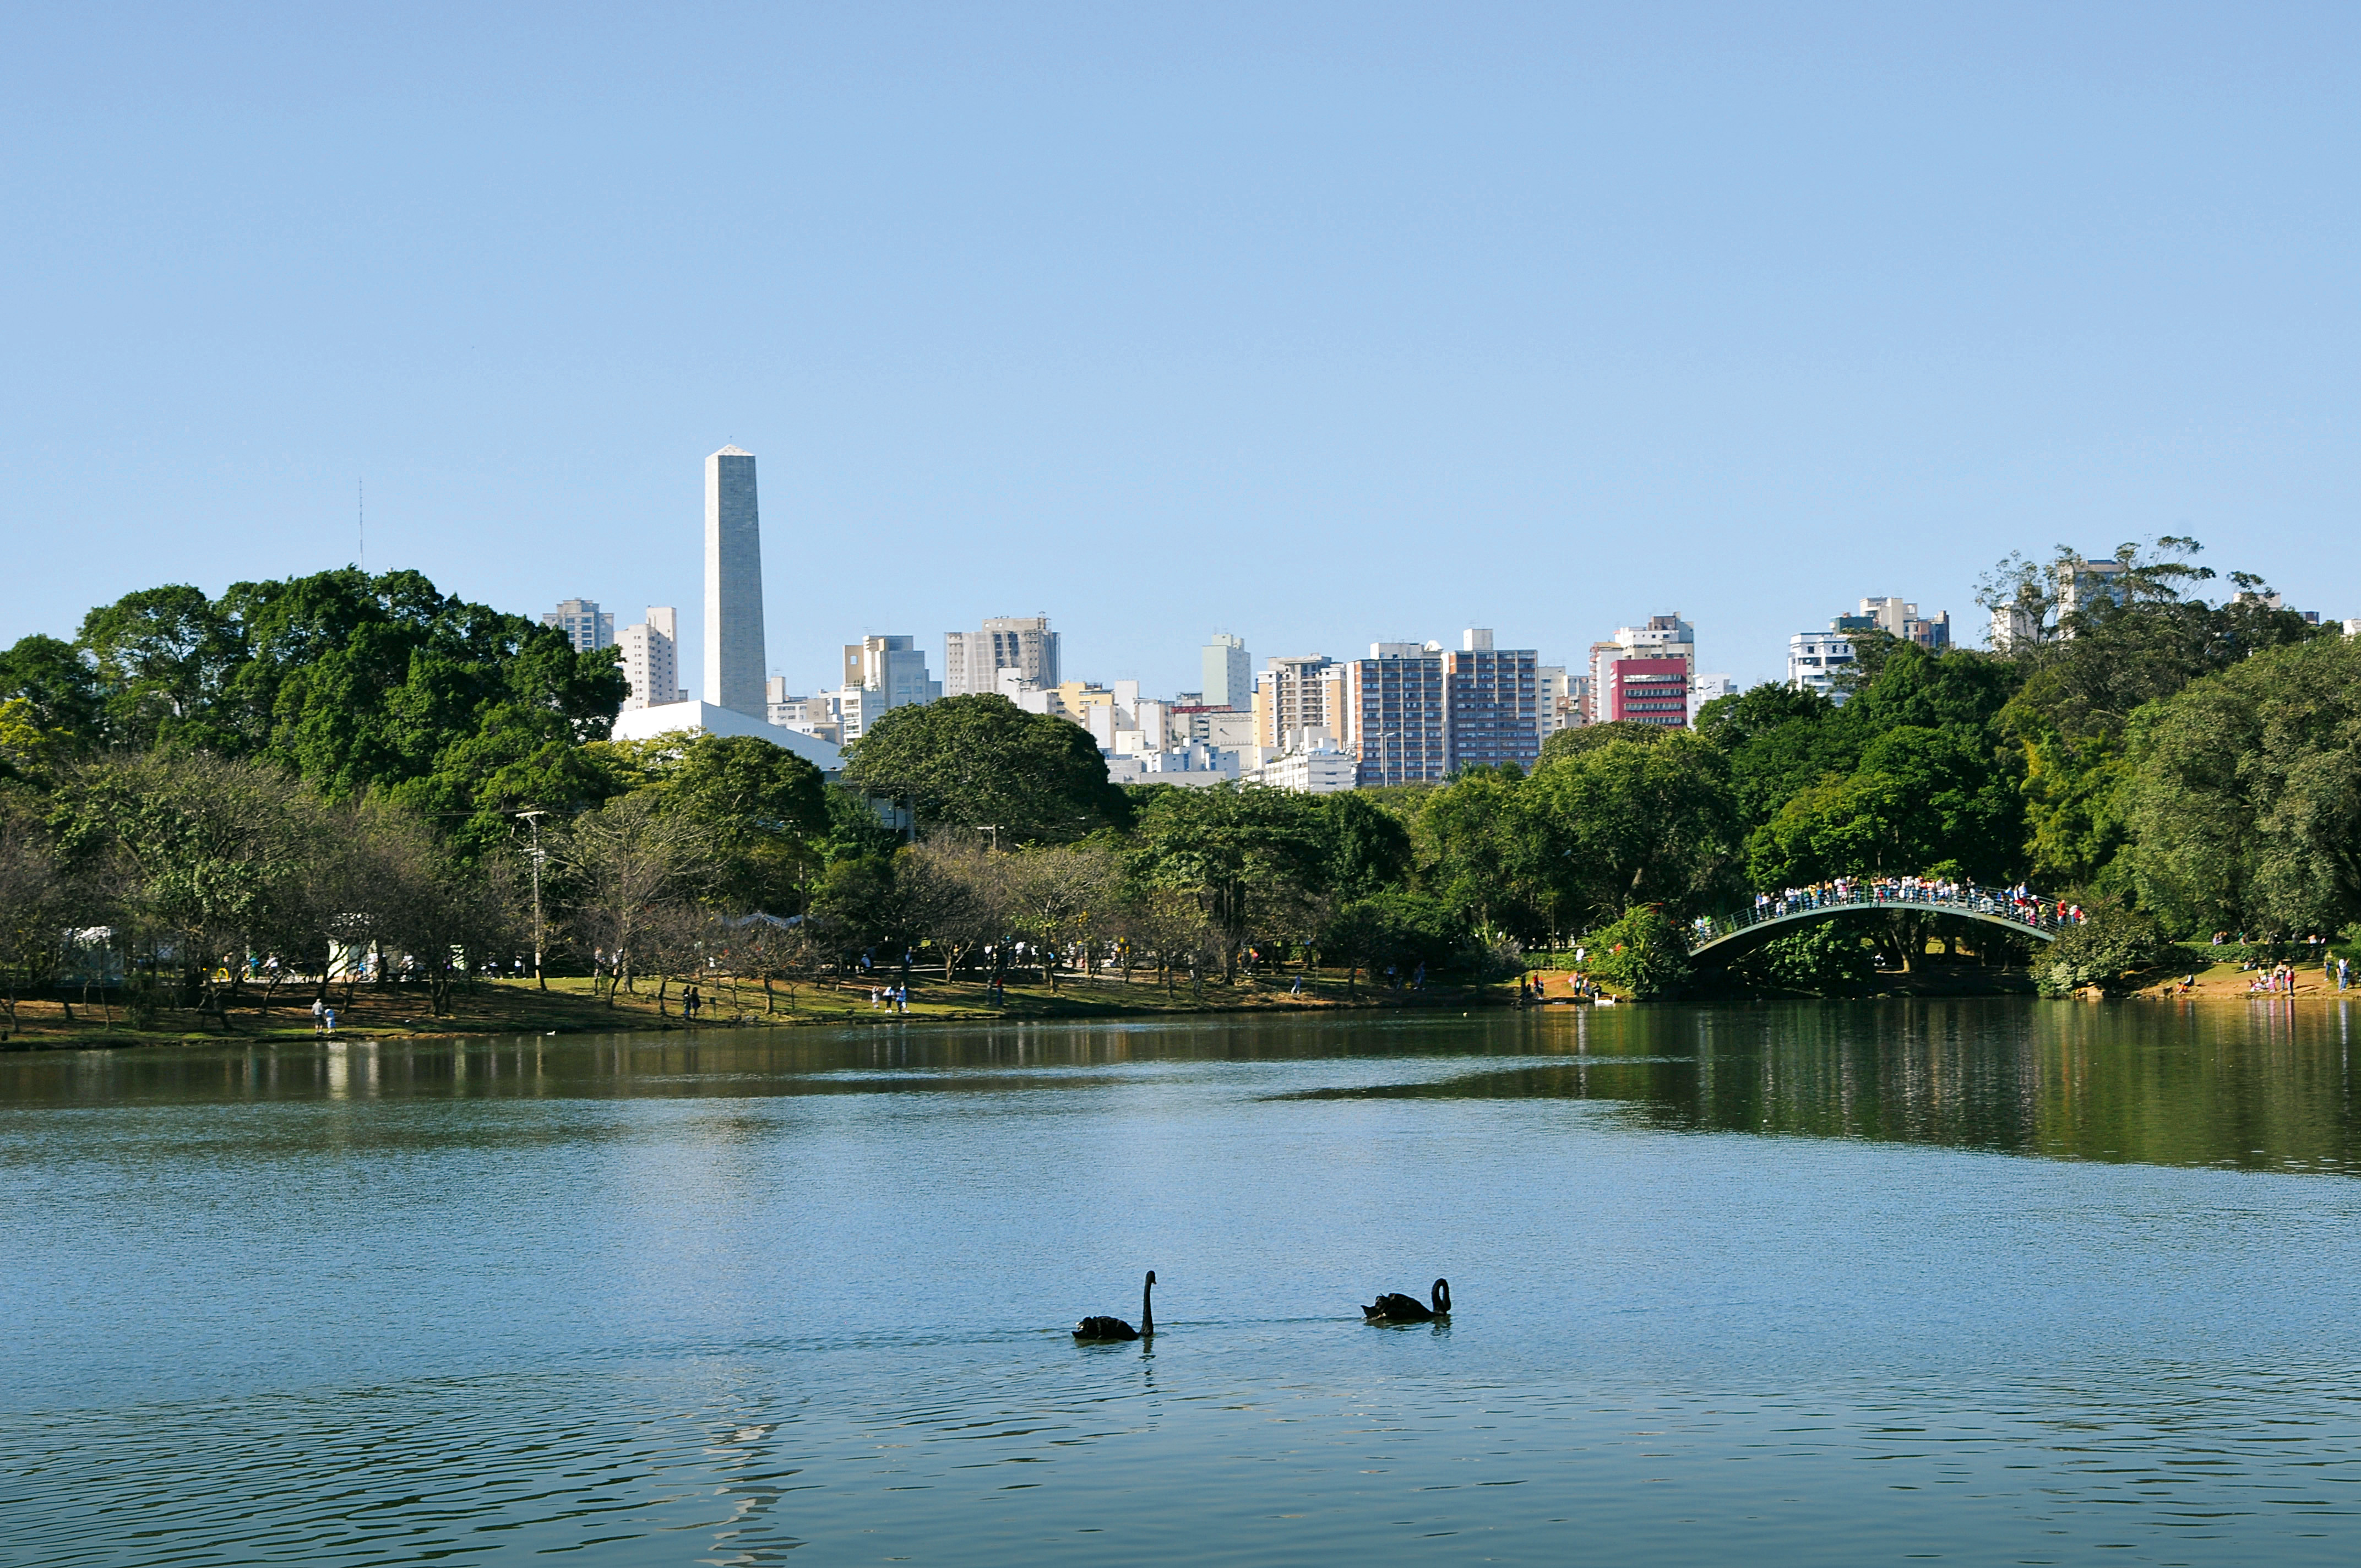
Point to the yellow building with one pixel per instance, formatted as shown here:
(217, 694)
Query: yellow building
(1294, 694)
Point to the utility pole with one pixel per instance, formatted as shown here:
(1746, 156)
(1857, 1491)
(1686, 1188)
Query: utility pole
(533, 818)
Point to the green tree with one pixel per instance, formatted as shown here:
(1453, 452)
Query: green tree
(1921, 798)
(981, 760)
(162, 656)
(762, 808)
(1491, 850)
(38, 903)
(2245, 799)
(2088, 671)
(1395, 928)
(1578, 739)
(360, 683)
(1250, 858)
(1366, 847)
(1821, 957)
(1780, 741)
(1639, 822)
(1643, 954)
(215, 856)
(58, 687)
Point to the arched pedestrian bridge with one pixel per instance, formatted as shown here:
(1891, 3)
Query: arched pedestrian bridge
(2030, 915)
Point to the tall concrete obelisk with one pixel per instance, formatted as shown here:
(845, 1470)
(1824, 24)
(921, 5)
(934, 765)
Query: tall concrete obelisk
(733, 586)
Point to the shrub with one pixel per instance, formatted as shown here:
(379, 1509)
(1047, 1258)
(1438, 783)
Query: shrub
(2112, 941)
(1643, 954)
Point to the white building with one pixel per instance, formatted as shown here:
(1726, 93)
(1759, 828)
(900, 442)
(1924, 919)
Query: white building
(1814, 658)
(892, 667)
(1705, 688)
(2076, 585)
(704, 719)
(1191, 766)
(973, 661)
(1319, 768)
(1229, 673)
(1557, 708)
(651, 658)
(813, 716)
(881, 673)
(585, 626)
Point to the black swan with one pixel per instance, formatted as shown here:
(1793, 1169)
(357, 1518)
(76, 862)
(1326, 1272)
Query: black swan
(1115, 1328)
(1393, 1306)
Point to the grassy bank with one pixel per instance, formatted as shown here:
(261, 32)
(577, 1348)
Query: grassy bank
(570, 1006)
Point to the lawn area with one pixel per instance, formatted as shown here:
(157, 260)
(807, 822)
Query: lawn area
(569, 1006)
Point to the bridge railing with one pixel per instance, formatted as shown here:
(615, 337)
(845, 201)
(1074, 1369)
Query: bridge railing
(2032, 911)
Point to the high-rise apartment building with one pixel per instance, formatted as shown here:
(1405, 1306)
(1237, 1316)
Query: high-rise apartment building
(1645, 673)
(1229, 673)
(585, 624)
(1816, 660)
(1418, 713)
(1897, 618)
(2081, 584)
(1394, 699)
(881, 673)
(2076, 585)
(1646, 691)
(1295, 695)
(1557, 707)
(973, 660)
(651, 658)
(734, 584)
(892, 667)
(1491, 703)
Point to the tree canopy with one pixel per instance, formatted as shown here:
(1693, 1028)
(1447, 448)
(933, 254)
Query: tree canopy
(981, 761)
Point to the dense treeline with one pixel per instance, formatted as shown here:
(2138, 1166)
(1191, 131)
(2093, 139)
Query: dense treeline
(224, 793)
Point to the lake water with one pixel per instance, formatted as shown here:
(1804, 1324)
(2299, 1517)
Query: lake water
(1989, 1282)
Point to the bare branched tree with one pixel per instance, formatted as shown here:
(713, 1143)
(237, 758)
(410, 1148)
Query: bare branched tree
(627, 863)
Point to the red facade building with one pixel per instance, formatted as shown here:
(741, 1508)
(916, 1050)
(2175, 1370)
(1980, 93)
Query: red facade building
(1647, 691)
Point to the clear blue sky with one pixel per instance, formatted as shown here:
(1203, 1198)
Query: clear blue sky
(1320, 324)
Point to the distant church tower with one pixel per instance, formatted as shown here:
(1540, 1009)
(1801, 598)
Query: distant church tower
(734, 661)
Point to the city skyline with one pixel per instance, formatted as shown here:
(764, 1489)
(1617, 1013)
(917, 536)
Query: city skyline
(1589, 324)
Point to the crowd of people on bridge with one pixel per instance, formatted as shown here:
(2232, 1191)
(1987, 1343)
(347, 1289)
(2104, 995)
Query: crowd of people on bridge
(2019, 903)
